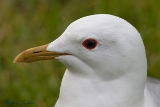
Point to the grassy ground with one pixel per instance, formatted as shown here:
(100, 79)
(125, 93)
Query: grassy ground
(29, 23)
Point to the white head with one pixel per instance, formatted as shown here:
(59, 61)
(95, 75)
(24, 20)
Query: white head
(119, 48)
(106, 62)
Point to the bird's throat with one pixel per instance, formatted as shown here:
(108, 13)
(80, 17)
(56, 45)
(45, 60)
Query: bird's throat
(81, 92)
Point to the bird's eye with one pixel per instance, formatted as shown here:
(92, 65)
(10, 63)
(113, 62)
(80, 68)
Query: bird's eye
(89, 43)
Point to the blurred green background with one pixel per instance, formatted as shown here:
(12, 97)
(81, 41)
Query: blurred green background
(29, 23)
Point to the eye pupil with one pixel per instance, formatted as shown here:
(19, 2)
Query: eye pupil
(90, 43)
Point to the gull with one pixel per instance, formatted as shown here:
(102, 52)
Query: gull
(106, 64)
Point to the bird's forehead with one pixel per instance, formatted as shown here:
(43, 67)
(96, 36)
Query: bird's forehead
(96, 21)
(84, 28)
(106, 27)
(86, 24)
(96, 24)
(78, 35)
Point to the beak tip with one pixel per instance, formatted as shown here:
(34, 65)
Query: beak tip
(16, 60)
(19, 58)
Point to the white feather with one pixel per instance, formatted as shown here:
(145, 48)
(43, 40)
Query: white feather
(111, 75)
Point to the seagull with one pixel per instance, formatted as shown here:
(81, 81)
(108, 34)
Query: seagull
(106, 64)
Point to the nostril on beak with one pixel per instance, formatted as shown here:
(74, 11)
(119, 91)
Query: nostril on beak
(38, 52)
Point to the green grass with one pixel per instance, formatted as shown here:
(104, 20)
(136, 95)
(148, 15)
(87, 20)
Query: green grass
(29, 23)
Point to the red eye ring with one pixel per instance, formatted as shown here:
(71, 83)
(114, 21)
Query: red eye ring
(90, 43)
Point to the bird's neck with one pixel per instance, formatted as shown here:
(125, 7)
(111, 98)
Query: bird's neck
(84, 92)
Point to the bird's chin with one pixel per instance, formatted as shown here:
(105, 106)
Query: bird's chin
(64, 57)
(67, 60)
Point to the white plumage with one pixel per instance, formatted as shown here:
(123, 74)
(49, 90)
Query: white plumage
(111, 75)
(106, 65)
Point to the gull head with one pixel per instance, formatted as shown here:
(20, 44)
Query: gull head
(105, 60)
(97, 46)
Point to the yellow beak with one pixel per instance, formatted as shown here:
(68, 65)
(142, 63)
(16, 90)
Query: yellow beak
(36, 54)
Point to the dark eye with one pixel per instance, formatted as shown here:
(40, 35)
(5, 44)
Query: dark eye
(89, 43)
